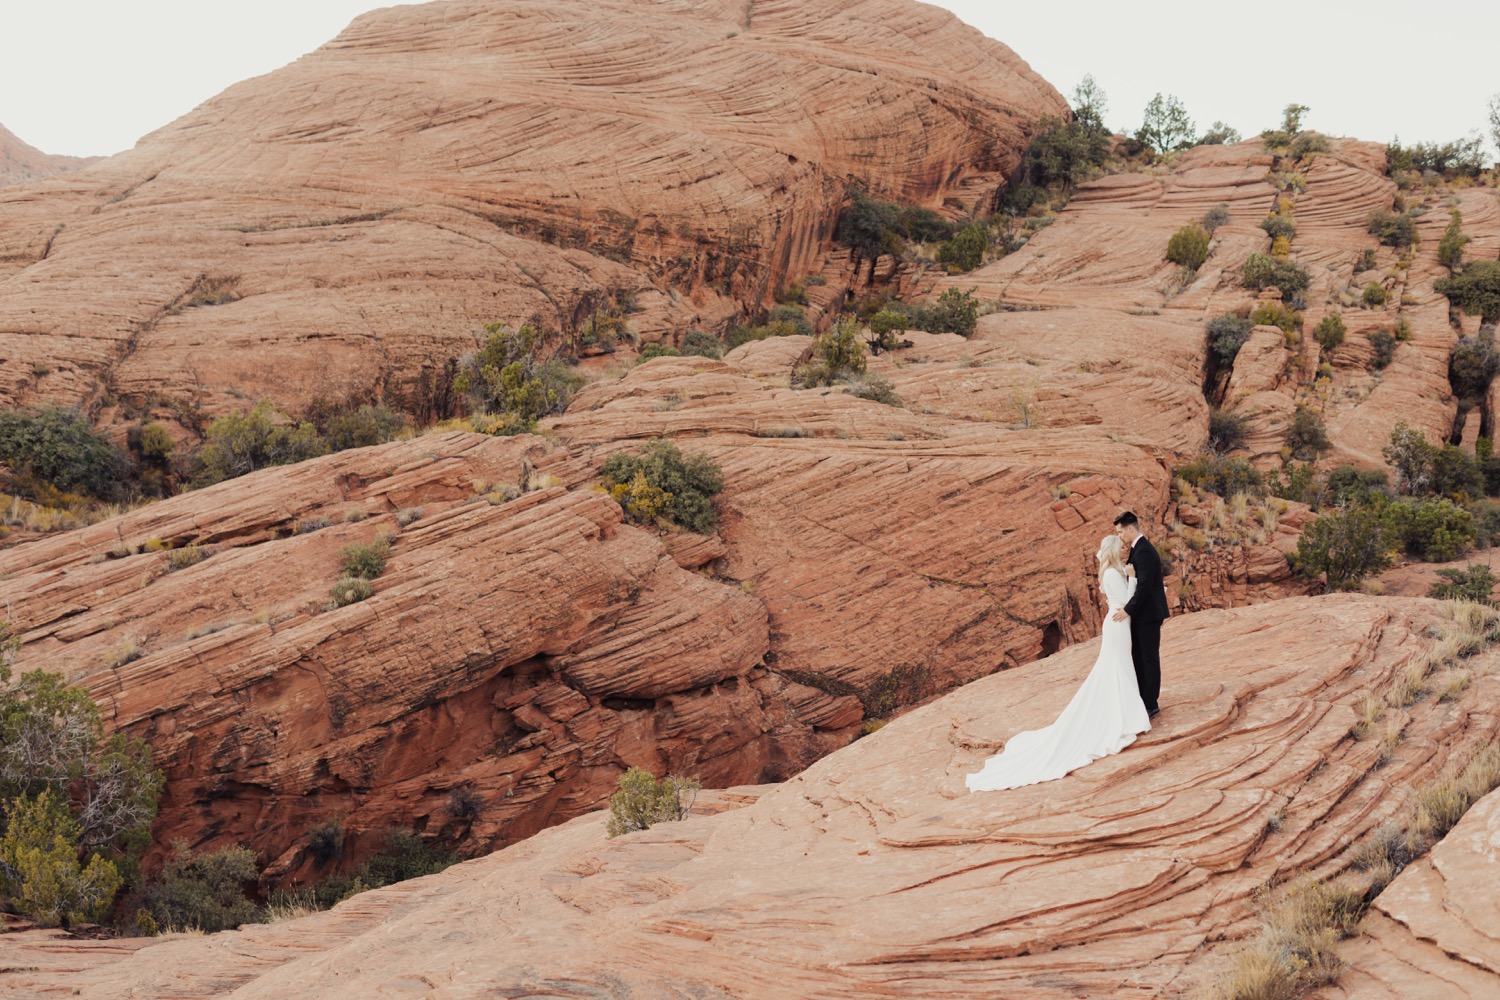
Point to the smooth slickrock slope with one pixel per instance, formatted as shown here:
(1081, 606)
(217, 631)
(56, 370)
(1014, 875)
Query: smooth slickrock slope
(22, 162)
(367, 209)
(874, 874)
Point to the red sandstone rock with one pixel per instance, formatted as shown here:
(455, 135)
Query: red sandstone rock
(440, 166)
(873, 874)
(21, 162)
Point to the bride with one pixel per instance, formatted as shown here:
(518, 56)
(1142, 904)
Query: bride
(1103, 718)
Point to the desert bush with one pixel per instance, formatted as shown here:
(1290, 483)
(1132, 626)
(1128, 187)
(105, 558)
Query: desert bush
(686, 484)
(408, 516)
(1459, 158)
(61, 448)
(1475, 582)
(703, 345)
(404, 855)
(658, 351)
(1226, 431)
(506, 376)
(262, 437)
(1061, 153)
(1227, 333)
(40, 869)
(872, 227)
(365, 560)
(1456, 474)
(1223, 476)
(1306, 143)
(837, 354)
(204, 892)
(1343, 547)
(1383, 348)
(1409, 454)
(1219, 134)
(1451, 247)
(153, 441)
(1392, 229)
(1347, 486)
(643, 801)
(1189, 246)
(1216, 216)
(1439, 530)
(886, 327)
(745, 334)
(1367, 261)
(792, 317)
(1472, 366)
(1374, 296)
(371, 424)
(188, 555)
(874, 388)
(1262, 271)
(1276, 314)
(1475, 289)
(966, 250)
(351, 590)
(1307, 436)
(1279, 225)
(1330, 331)
(953, 312)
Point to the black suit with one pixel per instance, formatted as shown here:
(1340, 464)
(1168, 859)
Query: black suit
(1147, 610)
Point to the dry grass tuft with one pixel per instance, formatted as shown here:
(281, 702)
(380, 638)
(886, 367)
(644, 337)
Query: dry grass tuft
(1441, 804)
(1371, 710)
(1411, 685)
(1297, 945)
(1453, 688)
(1390, 740)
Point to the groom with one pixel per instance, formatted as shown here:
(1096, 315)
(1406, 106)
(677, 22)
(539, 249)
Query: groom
(1146, 610)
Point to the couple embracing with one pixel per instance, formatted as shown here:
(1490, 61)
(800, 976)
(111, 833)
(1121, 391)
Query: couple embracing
(1118, 700)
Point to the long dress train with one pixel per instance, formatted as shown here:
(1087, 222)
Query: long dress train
(1104, 717)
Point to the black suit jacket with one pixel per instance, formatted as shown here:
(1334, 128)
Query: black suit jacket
(1150, 601)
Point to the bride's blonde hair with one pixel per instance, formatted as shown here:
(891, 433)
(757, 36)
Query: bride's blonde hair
(1109, 556)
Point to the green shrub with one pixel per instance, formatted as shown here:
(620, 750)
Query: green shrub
(966, 250)
(1409, 454)
(1227, 333)
(745, 334)
(885, 327)
(792, 316)
(689, 483)
(1393, 229)
(405, 855)
(1374, 295)
(1226, 431)
(874, 388)
(1486, 514)
(1439, 530)
(1262, 271)
(1300, 483)
(953, 312)
(1306, 437)
(40, 870)
(642, 801)
(1307, 142)
(1456, 474)
(1475, 289)
(703, 345)
(1278, 225)
(1451, 247)
(1165, 124)
(1189, 246)
(365, 560)
(1330, 331)
(658, 351)
(1343, 547)
(873, 227)
(1219, 134)
(1367, 261)
(506, 376)
(1383, 344)
(61, 448)
(204, 892)
(837, 354)
(351, 590)
(154, 442)
(1216, 216)
(1275, 314)
(1474, 582)
(1348, 486)
(366, 426)
(1061, 153)
(1472, 366)
(1223, 476)
(1460, 158)
(241, 443)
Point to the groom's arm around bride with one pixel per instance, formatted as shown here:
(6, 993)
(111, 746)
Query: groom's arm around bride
(1147, 610)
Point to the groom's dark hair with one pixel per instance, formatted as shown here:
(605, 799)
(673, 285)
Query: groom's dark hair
(1126, 520)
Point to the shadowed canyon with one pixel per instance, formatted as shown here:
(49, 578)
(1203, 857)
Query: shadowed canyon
(890, 593)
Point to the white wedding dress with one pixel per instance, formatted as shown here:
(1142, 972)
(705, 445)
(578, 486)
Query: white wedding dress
(1104, 717)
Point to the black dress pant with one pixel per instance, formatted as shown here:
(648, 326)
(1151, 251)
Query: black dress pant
(1145, 653)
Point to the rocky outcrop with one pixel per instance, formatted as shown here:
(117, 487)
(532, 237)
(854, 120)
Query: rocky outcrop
(353, 218)
(21, 162)
(874, 874)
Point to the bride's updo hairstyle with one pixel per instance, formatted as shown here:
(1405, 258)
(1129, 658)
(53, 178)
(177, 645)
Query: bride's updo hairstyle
(1109, 556)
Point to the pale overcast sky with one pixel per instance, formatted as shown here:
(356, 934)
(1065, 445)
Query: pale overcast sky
(93, 76)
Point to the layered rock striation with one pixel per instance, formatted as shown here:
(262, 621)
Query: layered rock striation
(342, 223)
(20, 161)
(875, 874)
